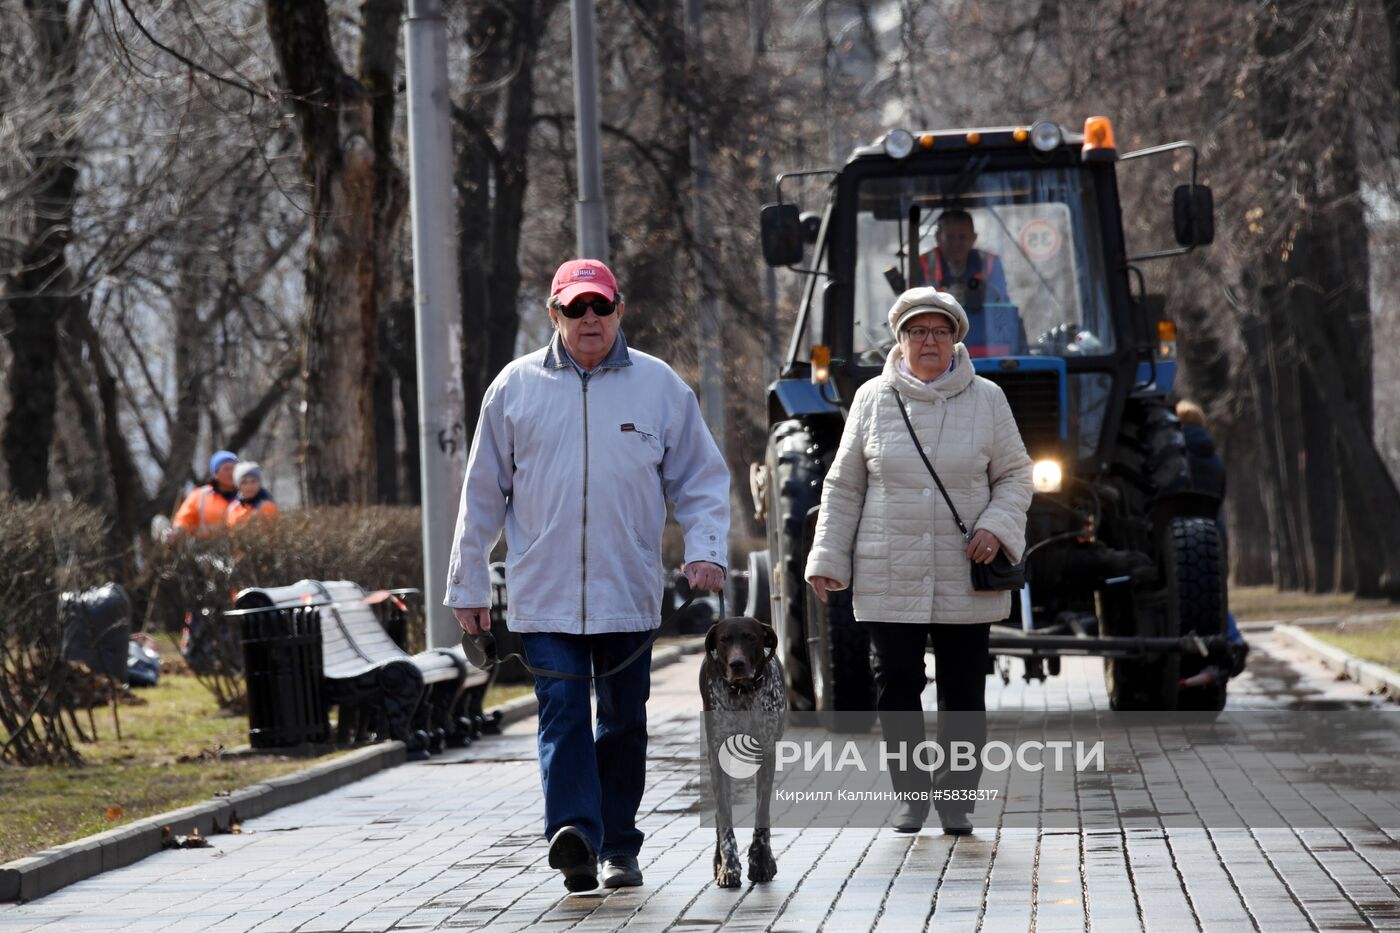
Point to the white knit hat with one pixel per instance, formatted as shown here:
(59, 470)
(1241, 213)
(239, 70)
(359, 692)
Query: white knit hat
(246, 468)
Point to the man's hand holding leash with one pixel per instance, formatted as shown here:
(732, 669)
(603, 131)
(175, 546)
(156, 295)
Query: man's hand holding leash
(703, 575)
(474, 620)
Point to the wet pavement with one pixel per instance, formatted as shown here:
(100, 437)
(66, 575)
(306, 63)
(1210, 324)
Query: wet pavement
(455, 844)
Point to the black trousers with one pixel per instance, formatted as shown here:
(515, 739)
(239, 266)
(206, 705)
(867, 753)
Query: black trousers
(960, 659)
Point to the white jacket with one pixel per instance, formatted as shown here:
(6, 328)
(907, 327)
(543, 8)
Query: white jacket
(579, 472)
(885, 530)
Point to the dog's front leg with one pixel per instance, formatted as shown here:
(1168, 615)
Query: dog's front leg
(726, 865)
(727, 869)
(762, 865)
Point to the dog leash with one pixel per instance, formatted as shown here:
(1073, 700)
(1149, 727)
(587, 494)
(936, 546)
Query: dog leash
(480, 650)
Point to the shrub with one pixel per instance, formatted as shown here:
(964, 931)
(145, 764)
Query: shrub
(194, 581)
(45, 549)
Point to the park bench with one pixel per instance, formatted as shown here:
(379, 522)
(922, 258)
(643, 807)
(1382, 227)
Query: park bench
(427, 700)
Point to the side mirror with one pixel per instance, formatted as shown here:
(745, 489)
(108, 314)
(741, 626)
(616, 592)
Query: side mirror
(781, 234)
(1193, 215)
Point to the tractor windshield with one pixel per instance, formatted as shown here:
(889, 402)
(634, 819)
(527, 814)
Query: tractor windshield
(1020, 249)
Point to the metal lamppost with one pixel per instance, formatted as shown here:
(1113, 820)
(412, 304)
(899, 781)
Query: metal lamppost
(442, 436)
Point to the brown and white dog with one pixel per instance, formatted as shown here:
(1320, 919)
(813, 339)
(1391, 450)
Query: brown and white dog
(745, 699)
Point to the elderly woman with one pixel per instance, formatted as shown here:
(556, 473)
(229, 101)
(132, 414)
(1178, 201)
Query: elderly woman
(886, 532)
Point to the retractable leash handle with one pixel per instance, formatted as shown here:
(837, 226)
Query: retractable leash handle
(480, 649)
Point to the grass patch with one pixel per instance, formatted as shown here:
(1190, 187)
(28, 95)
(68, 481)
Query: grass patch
(1249, 603)
(500, 693)
(1371, 641)
(166, 758)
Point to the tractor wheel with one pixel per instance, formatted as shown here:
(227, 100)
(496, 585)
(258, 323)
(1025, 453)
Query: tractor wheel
(842, 680)
(1141, 685)
(794, 489)
(1152, 449)
(1195, 603)
(1197, 600)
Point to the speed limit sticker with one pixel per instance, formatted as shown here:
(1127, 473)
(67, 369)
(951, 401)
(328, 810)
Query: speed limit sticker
(1040, 239)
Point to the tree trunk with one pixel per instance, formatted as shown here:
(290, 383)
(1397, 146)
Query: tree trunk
(1315, 296)
(1375, 518)
(133, 506)
(386, 467)
(37, 292)
(512, 179)
(380, 21)
(190, 364)
(1275, 509)
(492, 131)
(337, 123)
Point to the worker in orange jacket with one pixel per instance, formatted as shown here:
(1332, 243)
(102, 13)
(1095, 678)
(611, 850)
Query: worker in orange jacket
(203, 509)
(253, 497)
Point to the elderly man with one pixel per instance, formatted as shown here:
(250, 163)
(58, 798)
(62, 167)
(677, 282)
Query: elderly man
(578, 448)
(977, 279)
(972, 275)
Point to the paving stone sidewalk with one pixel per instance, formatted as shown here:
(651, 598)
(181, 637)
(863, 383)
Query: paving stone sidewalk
(454, 843)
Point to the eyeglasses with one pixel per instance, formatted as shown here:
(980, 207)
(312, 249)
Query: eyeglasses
(577, 309)
(920, 334)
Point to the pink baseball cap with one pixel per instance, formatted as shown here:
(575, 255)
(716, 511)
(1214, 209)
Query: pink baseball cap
(582, 277)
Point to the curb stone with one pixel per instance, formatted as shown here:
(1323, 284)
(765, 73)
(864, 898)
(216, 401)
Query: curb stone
(1374, 677)
(32, 877)
(1264, 625)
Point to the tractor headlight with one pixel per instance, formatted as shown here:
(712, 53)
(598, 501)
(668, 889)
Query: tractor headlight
(1046, 136)
(1046, 476)
(898, 144)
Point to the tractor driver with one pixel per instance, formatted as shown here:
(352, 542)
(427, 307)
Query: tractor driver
(975, 277)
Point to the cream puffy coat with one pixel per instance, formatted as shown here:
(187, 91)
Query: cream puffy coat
(885, 530)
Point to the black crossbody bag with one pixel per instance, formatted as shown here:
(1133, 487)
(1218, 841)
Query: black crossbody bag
(1000, 574)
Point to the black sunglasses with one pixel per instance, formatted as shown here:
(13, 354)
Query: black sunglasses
(577, 309)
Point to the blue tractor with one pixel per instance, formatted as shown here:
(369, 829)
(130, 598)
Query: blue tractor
(1023, 224)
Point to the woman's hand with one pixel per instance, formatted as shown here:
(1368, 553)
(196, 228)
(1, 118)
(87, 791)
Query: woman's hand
(983, 548)
(823, 585)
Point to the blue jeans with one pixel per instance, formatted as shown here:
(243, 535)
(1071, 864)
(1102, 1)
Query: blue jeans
(592, 782)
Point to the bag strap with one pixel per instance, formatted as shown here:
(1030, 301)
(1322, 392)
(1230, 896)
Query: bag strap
(932, 472)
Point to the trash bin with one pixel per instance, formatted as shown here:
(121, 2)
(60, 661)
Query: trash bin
(283, 667)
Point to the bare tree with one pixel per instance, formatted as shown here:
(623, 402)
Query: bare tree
(38, 285)
(350, 192)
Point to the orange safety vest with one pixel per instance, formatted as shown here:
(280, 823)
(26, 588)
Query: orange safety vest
(202, 511)
(240, 511)
(934, 275)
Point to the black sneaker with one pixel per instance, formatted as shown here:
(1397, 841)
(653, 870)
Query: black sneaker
(570, 852)
(621, 871)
